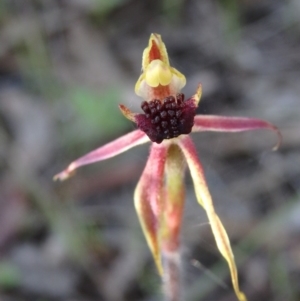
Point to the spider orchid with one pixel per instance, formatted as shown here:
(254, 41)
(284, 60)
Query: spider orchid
(166, 121)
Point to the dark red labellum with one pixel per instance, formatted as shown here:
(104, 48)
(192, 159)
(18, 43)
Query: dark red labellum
(167, 119)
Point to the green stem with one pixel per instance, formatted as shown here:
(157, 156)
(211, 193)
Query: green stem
(174, 193)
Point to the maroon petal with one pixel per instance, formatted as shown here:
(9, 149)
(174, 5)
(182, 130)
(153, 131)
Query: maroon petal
(106, 151)
(233, 124)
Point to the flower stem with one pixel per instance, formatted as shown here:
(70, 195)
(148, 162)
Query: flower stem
(172, 285)
(171, 224)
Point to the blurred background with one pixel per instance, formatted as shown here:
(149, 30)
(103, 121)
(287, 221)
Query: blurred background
(65, 65)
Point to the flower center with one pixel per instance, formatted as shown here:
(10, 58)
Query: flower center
(166, 119)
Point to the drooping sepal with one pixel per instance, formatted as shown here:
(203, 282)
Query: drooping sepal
(205, 200)
(148, 198)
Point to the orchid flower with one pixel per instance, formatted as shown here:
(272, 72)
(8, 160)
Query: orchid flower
(166, 121)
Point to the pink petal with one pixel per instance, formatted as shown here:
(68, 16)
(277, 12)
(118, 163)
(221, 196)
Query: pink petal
(148, 198)
(205, 200)
(232, 124)
(106, 151)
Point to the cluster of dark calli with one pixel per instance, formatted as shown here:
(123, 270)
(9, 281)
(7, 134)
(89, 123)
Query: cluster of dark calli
(168, 118)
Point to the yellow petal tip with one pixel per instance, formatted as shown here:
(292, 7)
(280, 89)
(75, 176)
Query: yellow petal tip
(127, 113)
(65, 174)
(198, 94)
